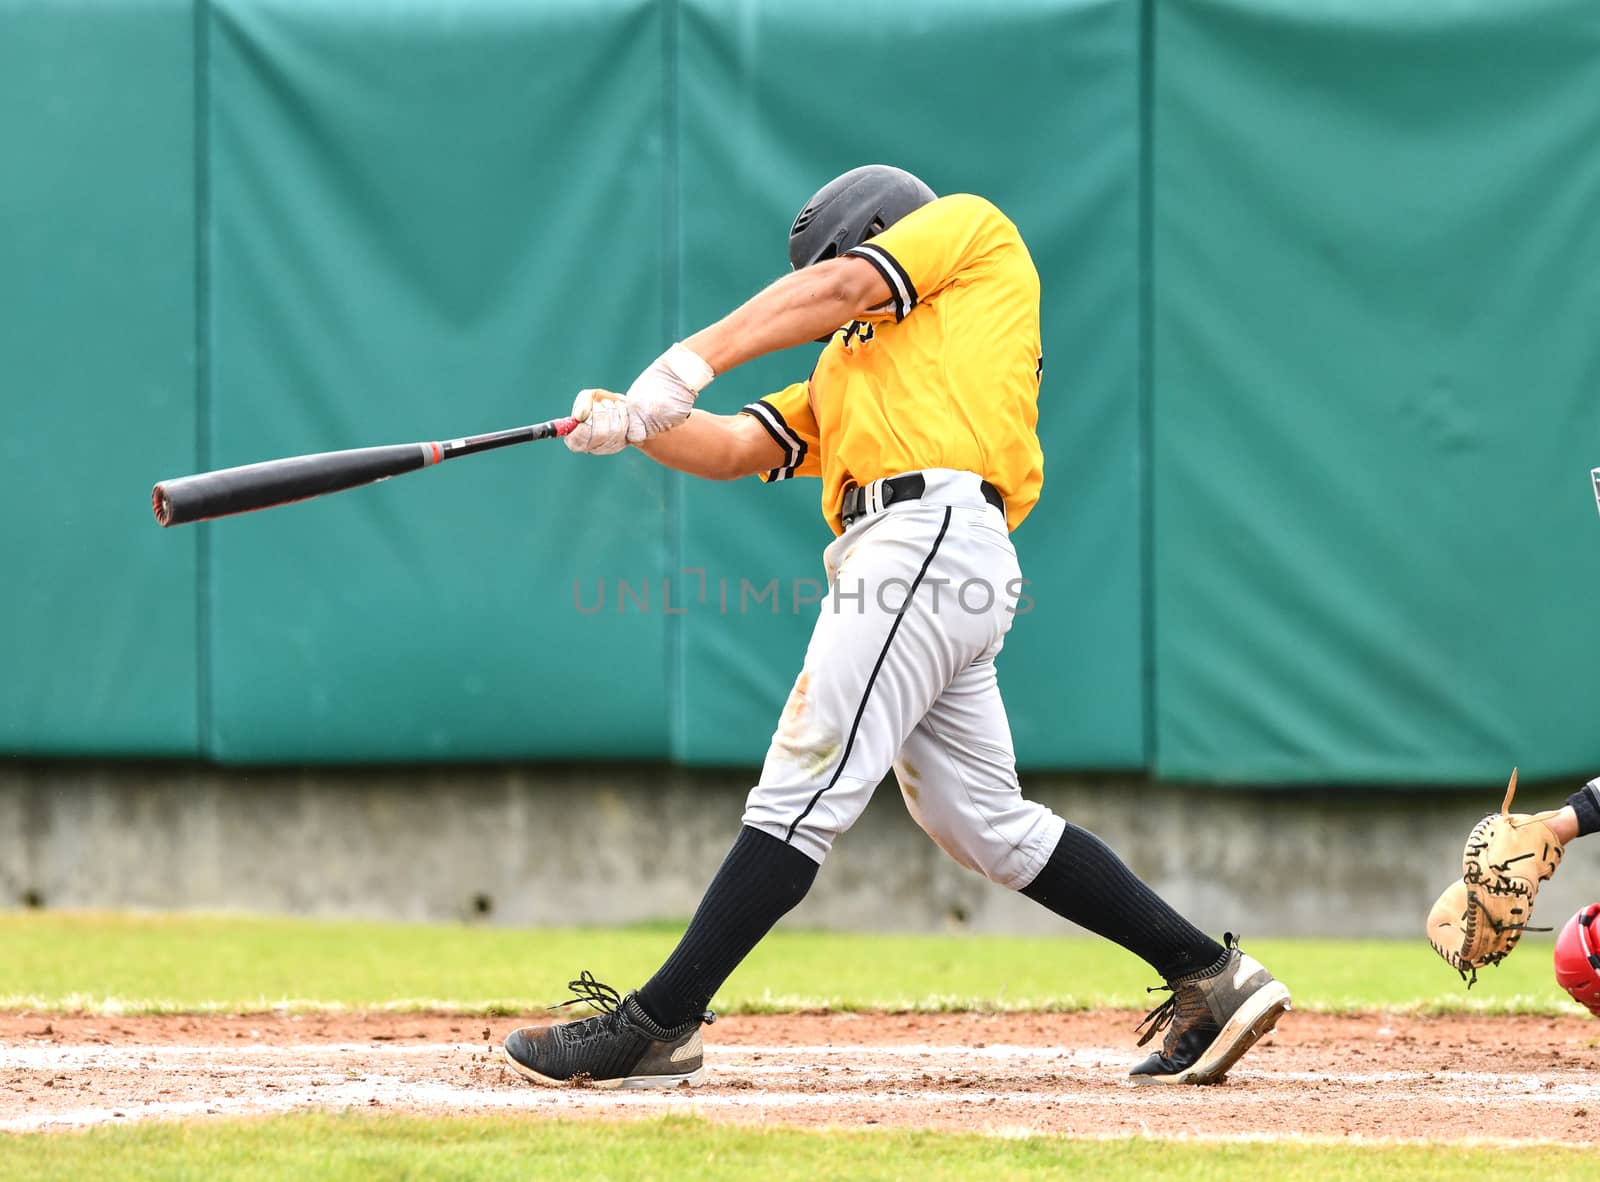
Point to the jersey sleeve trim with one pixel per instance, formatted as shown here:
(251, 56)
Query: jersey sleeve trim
(902, 290)
(773, 422)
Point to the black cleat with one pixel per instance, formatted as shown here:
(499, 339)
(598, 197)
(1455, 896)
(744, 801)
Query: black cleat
(621, 1047)
(1211, 1020)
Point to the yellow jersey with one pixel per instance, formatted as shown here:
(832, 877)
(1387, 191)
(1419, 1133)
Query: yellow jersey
(944, 375)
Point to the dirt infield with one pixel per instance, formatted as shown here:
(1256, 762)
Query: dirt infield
(1366, 1076)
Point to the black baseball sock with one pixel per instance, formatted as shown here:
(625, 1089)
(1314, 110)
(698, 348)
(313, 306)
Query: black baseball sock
(1086, 882)
(760, 881)
(1586, 803)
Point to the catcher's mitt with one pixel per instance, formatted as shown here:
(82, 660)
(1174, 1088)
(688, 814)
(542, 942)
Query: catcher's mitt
(1480, 917)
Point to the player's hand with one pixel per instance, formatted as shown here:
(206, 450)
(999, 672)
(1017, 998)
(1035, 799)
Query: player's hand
(662, 396)
(603, 423)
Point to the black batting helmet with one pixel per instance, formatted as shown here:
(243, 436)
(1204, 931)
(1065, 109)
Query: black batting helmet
(851, 208)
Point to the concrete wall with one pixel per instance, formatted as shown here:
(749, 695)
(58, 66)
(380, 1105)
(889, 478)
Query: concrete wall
(519, 845)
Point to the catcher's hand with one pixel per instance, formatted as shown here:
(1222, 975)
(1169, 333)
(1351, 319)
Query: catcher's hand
(1481, 916)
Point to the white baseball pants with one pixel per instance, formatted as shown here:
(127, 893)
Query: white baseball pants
(900, 672)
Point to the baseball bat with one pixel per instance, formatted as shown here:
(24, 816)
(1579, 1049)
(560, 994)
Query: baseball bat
(299, 478)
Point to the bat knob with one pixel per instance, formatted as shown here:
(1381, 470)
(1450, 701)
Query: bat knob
(161, 505)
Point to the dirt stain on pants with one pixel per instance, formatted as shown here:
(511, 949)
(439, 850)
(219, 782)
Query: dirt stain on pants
(808, 746)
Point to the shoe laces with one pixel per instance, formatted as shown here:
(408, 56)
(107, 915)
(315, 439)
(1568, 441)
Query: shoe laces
(600, 996)
(1186, 1008)
(596, 994)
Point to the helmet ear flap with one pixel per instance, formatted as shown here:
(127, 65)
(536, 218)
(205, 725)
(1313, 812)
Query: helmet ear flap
(1577, 958)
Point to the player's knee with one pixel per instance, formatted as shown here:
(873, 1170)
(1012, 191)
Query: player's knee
(1008, 851)
(977, 852)
(812, 840)
(1012, 868)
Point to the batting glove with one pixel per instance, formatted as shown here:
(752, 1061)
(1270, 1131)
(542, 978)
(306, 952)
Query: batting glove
(603, 423)
(662, 396)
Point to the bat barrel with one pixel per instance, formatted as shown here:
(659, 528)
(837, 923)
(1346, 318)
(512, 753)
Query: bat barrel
(279, 482)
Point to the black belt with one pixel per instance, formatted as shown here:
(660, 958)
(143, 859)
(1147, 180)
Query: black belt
(909, 487)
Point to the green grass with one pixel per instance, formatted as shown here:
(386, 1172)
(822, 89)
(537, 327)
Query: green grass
(63, 961)
(363, 1147)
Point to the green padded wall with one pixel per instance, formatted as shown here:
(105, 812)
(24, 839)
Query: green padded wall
(431, 222)
(1034, 105)
(1351, 320)
(1377, 377)
(97, 387)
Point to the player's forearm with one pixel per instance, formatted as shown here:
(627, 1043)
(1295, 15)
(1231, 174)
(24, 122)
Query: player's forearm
(800, 307)
(704, 445)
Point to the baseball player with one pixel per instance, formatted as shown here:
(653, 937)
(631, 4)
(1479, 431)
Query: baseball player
(919, 422)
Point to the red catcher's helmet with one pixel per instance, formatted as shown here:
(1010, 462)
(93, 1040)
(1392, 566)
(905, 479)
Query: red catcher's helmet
(1578, 957)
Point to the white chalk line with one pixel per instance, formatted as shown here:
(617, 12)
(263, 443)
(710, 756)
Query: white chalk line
(121, 1055)
(735, 1059)
(737, 1051)
(311, 1077)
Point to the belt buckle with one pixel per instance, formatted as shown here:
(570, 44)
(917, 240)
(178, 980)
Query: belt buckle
(852, 504)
